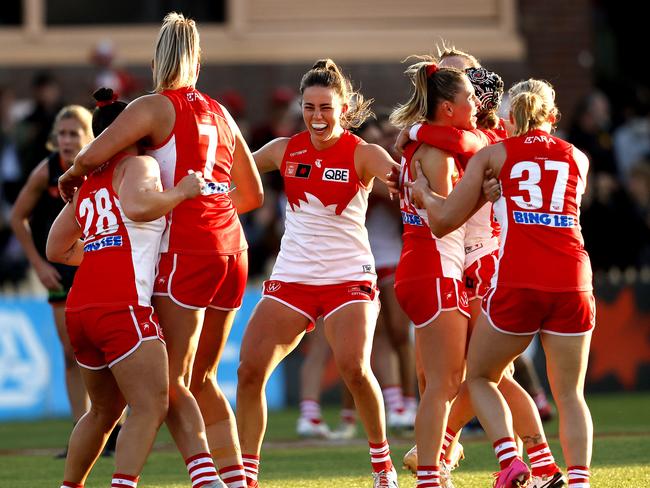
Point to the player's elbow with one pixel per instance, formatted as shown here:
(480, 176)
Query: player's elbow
(54, 251)
(251, 202)
(136, 212)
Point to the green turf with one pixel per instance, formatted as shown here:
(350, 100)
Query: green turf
(621, 454)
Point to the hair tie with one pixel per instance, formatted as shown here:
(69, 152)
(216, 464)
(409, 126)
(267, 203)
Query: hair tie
(431, 69)
(103, 103)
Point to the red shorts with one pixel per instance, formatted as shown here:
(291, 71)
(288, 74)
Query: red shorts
(102, 336)
(477, 276)
(200, 281)
(423, 300)
(315, 301)
(385, 273)
(524, 311)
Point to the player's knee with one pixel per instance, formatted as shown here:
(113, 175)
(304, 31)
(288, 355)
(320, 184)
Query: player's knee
(106, 415)
(354, 373)
(249, 375)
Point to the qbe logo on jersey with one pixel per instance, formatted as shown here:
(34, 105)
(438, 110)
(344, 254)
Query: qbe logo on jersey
(336, 174)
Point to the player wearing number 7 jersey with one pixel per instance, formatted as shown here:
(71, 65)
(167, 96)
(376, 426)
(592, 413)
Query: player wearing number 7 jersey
(543, 280)
(203, 267)
(112, 230)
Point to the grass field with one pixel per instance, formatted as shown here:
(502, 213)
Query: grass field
(621, 454)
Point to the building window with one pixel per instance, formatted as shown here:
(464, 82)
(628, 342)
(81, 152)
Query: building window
(11, 13)
(81, 12)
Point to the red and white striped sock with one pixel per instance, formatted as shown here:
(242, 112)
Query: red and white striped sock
(579, 477)
(233, 476)
(251, 467)
(506, 451)
(541, 459)
(380, 457)
(348, 416)
(393, 398)
(310, 410)
(201, 469)
(124, 481)
(68, 484)
(428, 477)
(446, 441)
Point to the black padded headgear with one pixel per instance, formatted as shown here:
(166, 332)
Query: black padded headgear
(488, 87)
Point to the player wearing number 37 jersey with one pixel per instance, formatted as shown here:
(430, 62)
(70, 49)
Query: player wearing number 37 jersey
(543, 278)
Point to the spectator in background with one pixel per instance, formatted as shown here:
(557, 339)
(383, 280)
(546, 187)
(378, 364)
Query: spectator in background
(590, 131)
(108, 75)
(236, 105)
(605, 203)
(33, 132)
(638, 186)
(632, 141)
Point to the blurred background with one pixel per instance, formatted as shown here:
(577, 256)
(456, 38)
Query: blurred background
(57, 52)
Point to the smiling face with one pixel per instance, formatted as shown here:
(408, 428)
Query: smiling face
(461, 113)
(70, 138)
(321, 110)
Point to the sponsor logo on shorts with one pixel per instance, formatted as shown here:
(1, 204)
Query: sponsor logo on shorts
(464, 301)
(367, 268)
(297, 170)
(103, 243)
(545, 219)
(341, 175)
(360, 290)
(411, 219)
(273, 286)
(475, 247)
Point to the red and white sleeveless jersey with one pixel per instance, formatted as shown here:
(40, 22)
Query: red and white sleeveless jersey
(325, 240)
(202, 140)
(542, 182)
(447, 254)
(120, 255)
(481, 229)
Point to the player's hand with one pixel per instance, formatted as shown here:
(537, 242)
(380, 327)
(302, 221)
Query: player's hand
(191, 185)
(491, 186)
(402, 140)
(69, 183)
(419, 187)
(49, 276)
(392, 182)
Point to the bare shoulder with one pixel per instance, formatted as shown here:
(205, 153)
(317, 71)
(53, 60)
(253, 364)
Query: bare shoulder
(152, 102)
(276, 147)
(431, 153)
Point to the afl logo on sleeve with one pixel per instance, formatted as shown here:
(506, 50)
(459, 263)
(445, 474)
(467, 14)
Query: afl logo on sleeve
(297, 170)
(337, 174)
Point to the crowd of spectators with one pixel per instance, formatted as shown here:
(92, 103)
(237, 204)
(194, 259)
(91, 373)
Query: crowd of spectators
(615, 208)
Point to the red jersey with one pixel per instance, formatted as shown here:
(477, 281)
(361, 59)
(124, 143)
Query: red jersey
(423, 254)
(120, 255)
(542, 182)
(482, 231)
(325, 240)
(202, 140)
